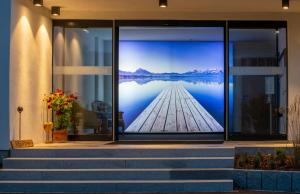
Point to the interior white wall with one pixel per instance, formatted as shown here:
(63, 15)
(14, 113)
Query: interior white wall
(5, 14)
(30, 68)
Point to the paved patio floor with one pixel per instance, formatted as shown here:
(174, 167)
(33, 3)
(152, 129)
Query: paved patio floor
(151, 144)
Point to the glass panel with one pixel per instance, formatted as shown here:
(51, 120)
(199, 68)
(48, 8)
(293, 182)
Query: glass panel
(171, 80)
(82, 65)
(257, 88)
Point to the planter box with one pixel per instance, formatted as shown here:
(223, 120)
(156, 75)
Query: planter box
(265, 150)
(267, 180)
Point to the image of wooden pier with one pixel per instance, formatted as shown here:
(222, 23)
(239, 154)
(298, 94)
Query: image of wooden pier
(174, 110)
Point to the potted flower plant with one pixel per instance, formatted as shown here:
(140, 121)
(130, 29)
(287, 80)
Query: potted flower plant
(62, 106)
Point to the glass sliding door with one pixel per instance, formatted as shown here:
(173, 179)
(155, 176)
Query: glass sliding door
(171, 80)
(82, 65)
(258, 80)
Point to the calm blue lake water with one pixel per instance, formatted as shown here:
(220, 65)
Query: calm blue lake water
(136, 94)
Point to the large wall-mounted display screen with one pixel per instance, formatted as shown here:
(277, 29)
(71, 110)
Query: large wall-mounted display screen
(171, 81)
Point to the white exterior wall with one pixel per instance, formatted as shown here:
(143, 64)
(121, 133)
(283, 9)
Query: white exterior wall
(30, 74)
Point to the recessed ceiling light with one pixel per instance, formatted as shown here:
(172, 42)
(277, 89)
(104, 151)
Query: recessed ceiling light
(163, 3)
(71, 24)
(55, 10)
(38, 3)
(86, 30)
(285, 4)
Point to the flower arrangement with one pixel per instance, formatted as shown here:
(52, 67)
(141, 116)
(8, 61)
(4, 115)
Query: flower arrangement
(62, 105)
(281, 160)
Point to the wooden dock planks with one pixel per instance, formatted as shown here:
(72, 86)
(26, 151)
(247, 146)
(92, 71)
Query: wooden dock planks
(200, 121)
(159, 123)
(189, 118)
(174, 110)
(141, 119)
(212, 123)
(171, 116)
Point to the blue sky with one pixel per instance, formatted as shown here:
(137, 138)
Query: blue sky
(170, 56)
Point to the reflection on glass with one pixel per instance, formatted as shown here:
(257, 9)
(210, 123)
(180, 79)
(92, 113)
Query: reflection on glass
(257, 90)
(82, 65)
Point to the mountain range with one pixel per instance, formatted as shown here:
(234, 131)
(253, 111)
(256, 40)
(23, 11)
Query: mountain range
(145, 73)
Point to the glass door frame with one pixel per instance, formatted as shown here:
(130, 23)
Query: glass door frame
(159, 136)
(84, 24)
(263, 24)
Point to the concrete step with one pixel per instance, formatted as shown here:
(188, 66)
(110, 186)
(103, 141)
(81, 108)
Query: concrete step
(123, 152)
(117, 186)
(115, 174)
(109, 163)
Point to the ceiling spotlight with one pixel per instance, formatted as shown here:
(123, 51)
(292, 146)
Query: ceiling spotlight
(285, 4)
(86, 30)
(163, 3)
(38, 3)
(55, 11)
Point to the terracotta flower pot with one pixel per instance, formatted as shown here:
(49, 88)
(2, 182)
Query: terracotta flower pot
(60, 136)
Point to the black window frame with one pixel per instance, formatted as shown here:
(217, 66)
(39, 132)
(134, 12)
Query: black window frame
(216, 137)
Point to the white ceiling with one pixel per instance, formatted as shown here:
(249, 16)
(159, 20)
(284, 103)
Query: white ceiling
(223, 6)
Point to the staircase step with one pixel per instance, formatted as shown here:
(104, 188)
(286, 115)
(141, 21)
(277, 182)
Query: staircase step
(117, 186)
(90, 163)
(115, 174)
(123, 152)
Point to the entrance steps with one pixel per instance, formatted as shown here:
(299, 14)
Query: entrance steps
(204, 169)
(163, 152)
(111, 163)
